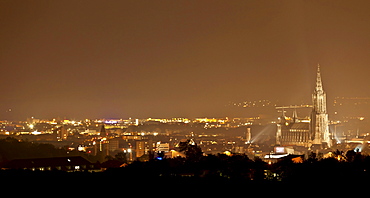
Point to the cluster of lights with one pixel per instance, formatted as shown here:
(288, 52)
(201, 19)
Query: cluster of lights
(255, 103)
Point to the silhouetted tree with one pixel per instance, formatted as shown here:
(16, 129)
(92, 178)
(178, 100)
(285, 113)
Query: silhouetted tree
(350, 155)
(192, 151)
(312, 157)
(258, 169)
(108, 157)
(121, 157)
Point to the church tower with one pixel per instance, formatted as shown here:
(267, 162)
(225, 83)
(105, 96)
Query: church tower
(319, 116)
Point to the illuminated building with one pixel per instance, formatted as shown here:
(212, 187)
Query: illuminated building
(248, 135)
(113, 144)
(140, 148)
(319, 115)
(295, 132)
(61, 133)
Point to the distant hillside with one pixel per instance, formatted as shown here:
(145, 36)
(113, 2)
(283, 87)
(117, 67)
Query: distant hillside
(11, 148)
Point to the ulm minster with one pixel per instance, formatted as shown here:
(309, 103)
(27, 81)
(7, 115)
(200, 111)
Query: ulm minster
(308, 133)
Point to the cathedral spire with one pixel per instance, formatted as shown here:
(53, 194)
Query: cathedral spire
(319, 115)
(318, 80)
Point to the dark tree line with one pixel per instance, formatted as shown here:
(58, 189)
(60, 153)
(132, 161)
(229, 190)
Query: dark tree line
(238, 168)
(347, 169)
(341, 168)
(211, 168)
(11, 148)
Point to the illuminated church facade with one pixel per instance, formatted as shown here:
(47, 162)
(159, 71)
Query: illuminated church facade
(295, 132)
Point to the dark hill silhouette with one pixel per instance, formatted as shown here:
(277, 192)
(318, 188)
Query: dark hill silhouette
(11, 148)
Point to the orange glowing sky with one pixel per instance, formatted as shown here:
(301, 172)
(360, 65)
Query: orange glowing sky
(176, 58)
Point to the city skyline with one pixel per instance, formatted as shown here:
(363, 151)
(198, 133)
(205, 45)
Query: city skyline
(121, 59)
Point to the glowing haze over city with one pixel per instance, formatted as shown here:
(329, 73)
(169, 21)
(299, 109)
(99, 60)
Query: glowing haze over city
(121, 59)
(203, 92)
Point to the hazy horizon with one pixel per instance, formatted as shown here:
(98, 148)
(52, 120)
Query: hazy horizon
(120, 59)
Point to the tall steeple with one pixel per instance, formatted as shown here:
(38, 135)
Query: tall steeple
(318, 80)
(319, 117)
(319, 96)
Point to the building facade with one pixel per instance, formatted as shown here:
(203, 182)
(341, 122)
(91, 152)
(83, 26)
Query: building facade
(295, 132)
(319, 117)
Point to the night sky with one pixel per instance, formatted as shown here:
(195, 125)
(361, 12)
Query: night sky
(120, 59)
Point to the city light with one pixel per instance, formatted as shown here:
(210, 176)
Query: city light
(221, 96)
